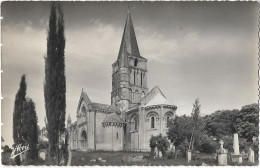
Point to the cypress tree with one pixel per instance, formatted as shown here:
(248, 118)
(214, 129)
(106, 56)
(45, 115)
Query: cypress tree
(31, 129)
(18, 115)
(55, 81)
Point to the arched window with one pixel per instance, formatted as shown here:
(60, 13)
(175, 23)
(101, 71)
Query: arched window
(141, 79)
(135, 63)
(134, 77)
(83, 111)
(135, 119)
(152, 122)
(83, 138)
(136, 96)
(168, 118)
(134, 122)
(168, 121)
(117, 135)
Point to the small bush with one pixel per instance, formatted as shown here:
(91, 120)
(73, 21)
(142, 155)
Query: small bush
(170, 155)
(7, 149)
(159, 142)
(208, 145)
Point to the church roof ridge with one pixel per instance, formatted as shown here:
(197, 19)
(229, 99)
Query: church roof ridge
(105, 107)
(112, 118)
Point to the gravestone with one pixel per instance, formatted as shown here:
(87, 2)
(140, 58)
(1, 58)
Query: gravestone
(236, 157)
(42, 154)
(251, 156)
(189, 155)
(159, 154)
(156, 152)
(222, 155)
(172, 148)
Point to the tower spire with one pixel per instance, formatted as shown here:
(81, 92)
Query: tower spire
(129, 38)
(122, 58)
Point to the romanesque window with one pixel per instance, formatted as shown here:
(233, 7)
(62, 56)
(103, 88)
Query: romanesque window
(168, 121)
(134, 77)
(83, 138)
(151, 118)
(167, 118)
(134, 123)
(141, 79)
(135, 63)
(117, 135)
(152, 122)
(83, 111)
(136, 96)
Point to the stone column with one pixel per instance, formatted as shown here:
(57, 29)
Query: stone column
(236, 157)
(236, 144)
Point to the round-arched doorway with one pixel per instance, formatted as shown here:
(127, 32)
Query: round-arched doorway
(83, 140)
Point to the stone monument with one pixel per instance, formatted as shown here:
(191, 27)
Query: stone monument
(189, 155)
(236, 156)
(222, 155)
(251, 156)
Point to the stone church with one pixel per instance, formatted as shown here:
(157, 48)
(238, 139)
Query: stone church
(135, 113)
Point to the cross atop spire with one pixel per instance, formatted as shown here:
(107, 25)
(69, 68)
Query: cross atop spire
(129, 38)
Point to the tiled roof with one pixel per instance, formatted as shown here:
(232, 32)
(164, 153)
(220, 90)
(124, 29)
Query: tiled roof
(113, 118)
(105, 107)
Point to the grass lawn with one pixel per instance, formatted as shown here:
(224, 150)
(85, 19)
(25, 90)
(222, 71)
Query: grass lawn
(116, 159)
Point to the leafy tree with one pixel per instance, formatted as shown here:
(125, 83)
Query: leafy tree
(55, 81)
(180, 131)
(221, 123)
(161, 143)
(248, 122)
(207, 144)
(18, 114)
(153, 141)
(195, 117)
(31, 129)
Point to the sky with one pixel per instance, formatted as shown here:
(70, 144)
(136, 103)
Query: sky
(205, 50)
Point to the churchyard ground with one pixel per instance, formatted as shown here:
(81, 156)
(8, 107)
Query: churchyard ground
(116, 159)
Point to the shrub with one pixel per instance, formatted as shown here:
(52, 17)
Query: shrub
(7, 149)
(170, 155)
(161, 143)
(207, 144)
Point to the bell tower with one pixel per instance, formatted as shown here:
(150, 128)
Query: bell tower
(129, 76)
